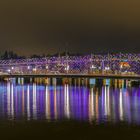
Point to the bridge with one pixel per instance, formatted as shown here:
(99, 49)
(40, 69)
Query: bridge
(109, 65)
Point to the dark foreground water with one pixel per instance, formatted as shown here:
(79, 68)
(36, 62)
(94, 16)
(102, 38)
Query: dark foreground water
(69, 111)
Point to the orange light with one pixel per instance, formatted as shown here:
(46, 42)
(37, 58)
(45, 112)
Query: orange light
(124, 64)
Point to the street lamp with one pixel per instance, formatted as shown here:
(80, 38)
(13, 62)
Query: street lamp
(67, 68)
(34, 69)
(93, 67)
(47, 67)
(9, 70)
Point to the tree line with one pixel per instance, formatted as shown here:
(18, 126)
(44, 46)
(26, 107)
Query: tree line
(12, 55)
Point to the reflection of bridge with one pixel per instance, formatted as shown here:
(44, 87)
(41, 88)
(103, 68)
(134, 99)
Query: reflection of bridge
(91, 103)
(127, 65)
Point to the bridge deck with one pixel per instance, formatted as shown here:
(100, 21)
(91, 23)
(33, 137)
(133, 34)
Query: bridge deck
(117, 76)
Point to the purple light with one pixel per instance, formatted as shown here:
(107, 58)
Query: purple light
(76, 64)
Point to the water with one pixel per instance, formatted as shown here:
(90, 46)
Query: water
(92, 104)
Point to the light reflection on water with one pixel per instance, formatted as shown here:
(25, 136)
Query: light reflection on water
(47, 102)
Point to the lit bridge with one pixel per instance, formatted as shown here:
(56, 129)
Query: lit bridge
(117, 65)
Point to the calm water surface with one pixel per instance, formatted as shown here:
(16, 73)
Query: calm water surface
(98, 104)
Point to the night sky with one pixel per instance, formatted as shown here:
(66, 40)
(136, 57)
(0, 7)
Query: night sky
(51, 26)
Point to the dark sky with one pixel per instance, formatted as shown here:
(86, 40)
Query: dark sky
(50, 26)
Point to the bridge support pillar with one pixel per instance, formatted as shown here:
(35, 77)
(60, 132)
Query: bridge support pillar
(54, 81)
(92, 81)
(106, 82)
(86, 82)
(79, 81)
(20, 80)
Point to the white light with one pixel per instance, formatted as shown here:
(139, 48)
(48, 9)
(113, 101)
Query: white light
(107, 68)
(67, 67)
(12, 68)
(47, 67)
(28, 67)
(121, 66)
(34, 69)
(93, 67)
(8, 70)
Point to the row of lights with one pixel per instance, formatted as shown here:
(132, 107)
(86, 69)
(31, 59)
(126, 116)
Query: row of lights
(35, 69)
(106, 68)
(66, 68)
